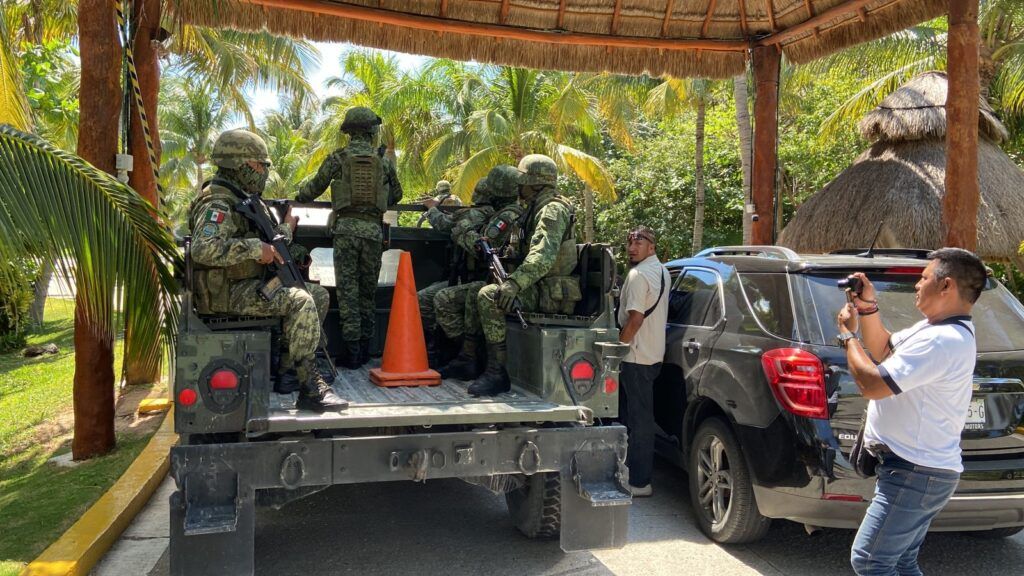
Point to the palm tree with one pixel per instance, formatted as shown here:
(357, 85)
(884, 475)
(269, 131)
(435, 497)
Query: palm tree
(742, 104)
(104, 237)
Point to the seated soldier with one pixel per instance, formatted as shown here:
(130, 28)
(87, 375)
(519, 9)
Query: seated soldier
(231, 262)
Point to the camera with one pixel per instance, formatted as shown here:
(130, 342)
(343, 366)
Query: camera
(851, 282)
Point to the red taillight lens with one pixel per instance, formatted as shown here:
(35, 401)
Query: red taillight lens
(913, 270)
(187, 397)
(224, 380)
(582, 370)
(841, 497)
(797, 379)
(610, 386)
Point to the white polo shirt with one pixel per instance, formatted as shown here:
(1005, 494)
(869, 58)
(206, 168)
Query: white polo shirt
(931, 374)
(640, 292)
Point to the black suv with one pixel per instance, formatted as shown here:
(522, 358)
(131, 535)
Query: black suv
(755, 400)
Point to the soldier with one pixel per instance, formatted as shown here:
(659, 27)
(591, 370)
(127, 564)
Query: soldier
(453, 224)
(543, 281)
(231, 262)
(456, 305)
(440, 196)
(363, 184)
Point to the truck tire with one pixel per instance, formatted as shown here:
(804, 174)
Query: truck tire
(728, 513)
(536, 507)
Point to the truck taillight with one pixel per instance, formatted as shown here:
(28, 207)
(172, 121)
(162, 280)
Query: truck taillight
(611, 385)
(187, 397)
(224, 379)
(797, 379)
(582, 370)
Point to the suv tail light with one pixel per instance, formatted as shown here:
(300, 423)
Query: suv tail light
(797, 379)
(224, 379)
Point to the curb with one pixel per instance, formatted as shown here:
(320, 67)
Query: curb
(81, 546)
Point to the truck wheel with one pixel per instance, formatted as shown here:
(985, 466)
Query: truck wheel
(536, 507)
(720, 487)
(997, 533)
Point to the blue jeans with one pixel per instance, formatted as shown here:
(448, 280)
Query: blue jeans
(907, 497)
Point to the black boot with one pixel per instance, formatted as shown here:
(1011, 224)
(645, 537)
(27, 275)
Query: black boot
(495, 379)
(349, 357)
(364, 351)
(317, 395)
(466, 365)
(431, 337)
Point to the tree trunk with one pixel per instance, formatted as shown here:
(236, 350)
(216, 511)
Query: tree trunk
(146, 25)
(698, 202)
(588, 214)
(960, 202)
(743, 127)
(40, 291)
(99, 105)
(767, 61)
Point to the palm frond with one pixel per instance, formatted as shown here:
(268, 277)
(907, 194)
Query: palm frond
(587, 168)
(472, 170)
(13, 104)
(95, 230)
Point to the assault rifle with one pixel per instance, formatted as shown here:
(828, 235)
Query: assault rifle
(500, 275)
(286, 275)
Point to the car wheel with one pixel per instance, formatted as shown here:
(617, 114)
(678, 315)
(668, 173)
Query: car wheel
(997, 533)
(720, 487)
(536, 507)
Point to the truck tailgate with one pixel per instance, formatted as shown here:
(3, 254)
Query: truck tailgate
(372, 406)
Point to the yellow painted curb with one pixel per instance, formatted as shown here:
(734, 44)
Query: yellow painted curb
(81, 547)
(154, 405)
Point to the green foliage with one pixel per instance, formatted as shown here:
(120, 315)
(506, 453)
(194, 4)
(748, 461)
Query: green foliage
(1003, 273)
(51, 78)
(16, 278)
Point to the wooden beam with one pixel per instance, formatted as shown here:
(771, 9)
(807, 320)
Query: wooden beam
(960, 202)
(707, 18)
(767, 62)
(667, 18)
(503, 17)
(838, 11)
(433, 24)
(443, 12)
(561, 13)
(615, 17)
(743, 17)
(771, 15)
(810, 8)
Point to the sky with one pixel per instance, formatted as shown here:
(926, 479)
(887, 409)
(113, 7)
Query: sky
(330, 65)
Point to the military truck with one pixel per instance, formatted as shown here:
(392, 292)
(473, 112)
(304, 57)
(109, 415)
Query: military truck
(542, 444)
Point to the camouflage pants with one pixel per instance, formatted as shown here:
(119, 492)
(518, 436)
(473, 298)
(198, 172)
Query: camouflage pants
(456, 309)
(356, 269)
(302, 313)
(492, 317)
(428, 313)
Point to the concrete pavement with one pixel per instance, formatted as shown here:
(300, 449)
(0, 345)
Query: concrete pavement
(449, 527)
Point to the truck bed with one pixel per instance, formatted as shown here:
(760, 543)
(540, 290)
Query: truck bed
(372, 406)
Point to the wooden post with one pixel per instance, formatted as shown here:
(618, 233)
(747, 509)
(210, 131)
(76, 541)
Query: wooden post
(99, 109)
(960, 204)
(766, 130)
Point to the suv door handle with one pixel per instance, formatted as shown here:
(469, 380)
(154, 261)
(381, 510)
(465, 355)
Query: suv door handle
(692, 345)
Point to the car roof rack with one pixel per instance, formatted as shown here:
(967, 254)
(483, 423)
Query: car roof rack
(918, 253)
(774, 252)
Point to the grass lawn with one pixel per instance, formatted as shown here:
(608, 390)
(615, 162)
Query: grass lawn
(39, 500)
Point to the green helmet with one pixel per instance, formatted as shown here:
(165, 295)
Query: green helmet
(504, 181)
(360, 119)
(481, 192)
(236, 147)
(538, 170)
(442, 187)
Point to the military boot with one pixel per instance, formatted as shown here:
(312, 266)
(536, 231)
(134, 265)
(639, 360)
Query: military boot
(495, 379)
(349, 357)
(465, 366)
(364, 351)
(317, 395)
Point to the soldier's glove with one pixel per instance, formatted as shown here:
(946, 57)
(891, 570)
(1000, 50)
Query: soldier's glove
(506, 296)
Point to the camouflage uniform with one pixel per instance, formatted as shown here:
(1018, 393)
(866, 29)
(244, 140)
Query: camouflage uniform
(363, 184)
(468, 219)
(543, 281)
(225, 251)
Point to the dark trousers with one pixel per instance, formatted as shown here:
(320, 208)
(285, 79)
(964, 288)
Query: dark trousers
(636, 411)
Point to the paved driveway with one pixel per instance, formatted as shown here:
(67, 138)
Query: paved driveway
(448, 527)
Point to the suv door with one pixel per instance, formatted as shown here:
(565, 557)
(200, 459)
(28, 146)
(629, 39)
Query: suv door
(695, 320)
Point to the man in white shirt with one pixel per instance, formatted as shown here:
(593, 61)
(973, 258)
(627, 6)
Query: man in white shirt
(918, 399)
(643, 312)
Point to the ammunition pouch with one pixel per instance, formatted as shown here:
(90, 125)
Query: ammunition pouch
(559, 294)
(212, 289)
(361, 187)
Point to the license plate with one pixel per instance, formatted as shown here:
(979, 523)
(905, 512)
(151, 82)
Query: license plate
(976, 413)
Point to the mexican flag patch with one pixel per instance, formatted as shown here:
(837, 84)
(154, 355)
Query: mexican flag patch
(215, 216)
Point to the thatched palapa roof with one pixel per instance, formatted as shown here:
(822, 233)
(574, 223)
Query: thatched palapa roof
(706, 38)
(896, 186)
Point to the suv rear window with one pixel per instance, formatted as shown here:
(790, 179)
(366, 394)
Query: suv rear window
(768, 296)
(998, 316)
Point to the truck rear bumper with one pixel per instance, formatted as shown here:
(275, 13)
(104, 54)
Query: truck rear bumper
(212, 511)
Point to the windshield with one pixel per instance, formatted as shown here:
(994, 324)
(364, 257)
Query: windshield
(998, 316)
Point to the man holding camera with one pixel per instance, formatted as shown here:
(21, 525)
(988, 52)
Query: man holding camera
(918, 399)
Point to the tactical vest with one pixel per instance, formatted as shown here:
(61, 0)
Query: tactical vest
(212, 284)
(558, 290)
(360, 192)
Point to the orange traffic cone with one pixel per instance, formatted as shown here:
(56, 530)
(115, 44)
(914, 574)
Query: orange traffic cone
(405, 350)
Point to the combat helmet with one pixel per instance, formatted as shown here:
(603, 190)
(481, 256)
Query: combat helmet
(442, 187)
(481, 192)
(234, 148)
(503, 182)
(538, 170)
(360, 119)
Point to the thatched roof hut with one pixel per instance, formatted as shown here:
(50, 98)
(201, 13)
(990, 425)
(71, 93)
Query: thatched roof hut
(707, 38)
(896, 186)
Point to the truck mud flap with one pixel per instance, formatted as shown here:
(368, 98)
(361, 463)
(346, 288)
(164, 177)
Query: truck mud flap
(595, 501)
